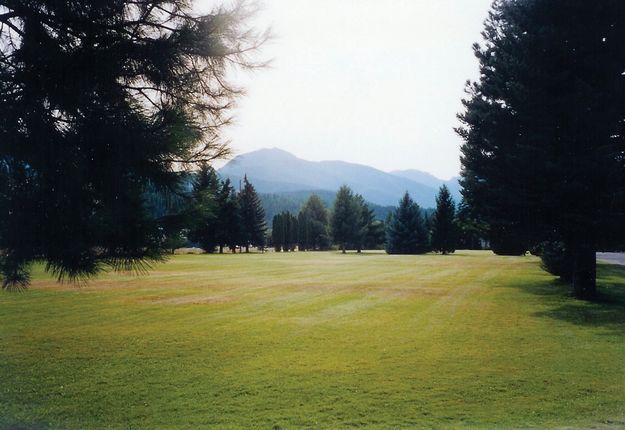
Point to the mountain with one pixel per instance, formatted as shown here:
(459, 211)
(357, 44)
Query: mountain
(432, 181)
(274, 171)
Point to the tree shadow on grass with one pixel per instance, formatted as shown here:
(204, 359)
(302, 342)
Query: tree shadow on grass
(606, 311)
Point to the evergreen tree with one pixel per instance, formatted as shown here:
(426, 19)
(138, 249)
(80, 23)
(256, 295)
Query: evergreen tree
(303, 234)
(228, 219)
(313, 225)
(285, 231)
(427, 222)
(346, 218)
(174, 240)
(376, 235)
(365, 223)
(252, 217)
(204, 213)
(289, 231)
(277, 232)
(555, 259)
(470, 229)
(293, 232)
(543, 128)
(315, 215)
(406, 233)
(508, 238)
(100, 100)
(442, 224)
(172, 212)
(287, 225)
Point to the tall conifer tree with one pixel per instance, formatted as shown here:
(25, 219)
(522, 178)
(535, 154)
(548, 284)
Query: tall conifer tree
(544, 131)
(228, 219)
(289, 231)
(365, 221)
(303, 233)
(277, 232)
(470, 230)
(346, 218)
(406, 231)
(376, 235)
(252, 217)
(313, 223)
(444, 233)
(99, 101)
(204, 212)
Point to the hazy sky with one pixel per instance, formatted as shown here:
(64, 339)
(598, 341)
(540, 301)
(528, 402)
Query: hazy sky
(371, 82)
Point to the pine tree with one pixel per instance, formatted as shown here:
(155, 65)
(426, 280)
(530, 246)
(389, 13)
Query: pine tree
(470, 229)
(285, 231)
(303, 234)
(204, 213)
(346, 218)
(252, 217)
(543, 128)
(376, 235)
(427, 222)
(314, 215)
(365, 220)
(172, 212)
(277, 232)
(293, 232)
(99, 101)
(228, 219)
(406, 233)
(443, 228)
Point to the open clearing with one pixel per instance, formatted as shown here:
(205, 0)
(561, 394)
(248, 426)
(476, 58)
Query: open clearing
(315, 340)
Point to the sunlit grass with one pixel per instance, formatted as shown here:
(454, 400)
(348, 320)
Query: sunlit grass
(315, 340)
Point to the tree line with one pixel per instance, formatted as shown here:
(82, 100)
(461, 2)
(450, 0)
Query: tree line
(410, 230)
(351, 224)
(212, 214)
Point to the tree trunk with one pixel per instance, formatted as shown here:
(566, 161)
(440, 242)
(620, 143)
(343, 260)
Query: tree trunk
(584, 272)
(343, 248)
(221, 249)
(247, 249)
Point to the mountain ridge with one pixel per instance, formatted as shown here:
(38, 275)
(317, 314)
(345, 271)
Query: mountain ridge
(274, 170)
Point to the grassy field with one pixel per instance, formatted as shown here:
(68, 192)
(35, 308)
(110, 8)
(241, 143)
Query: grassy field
(315, 340)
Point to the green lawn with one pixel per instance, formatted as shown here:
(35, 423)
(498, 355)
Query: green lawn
(315, 340)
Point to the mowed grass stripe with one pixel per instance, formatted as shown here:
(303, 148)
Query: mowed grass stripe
(315, 340)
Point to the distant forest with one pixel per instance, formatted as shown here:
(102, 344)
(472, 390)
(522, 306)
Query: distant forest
(292, 201)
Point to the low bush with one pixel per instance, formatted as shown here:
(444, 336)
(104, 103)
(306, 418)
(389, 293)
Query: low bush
(556, 260)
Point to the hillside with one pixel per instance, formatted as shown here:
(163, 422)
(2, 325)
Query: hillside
(431, 181)
(293, 201)
(274, 171)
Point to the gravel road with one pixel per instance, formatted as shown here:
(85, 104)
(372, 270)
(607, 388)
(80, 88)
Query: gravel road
(612, 257)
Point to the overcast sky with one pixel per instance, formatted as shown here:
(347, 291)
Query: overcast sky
(365, 81)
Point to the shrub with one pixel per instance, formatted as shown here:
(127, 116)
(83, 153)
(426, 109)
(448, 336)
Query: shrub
(556, 260)
(508, 246)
